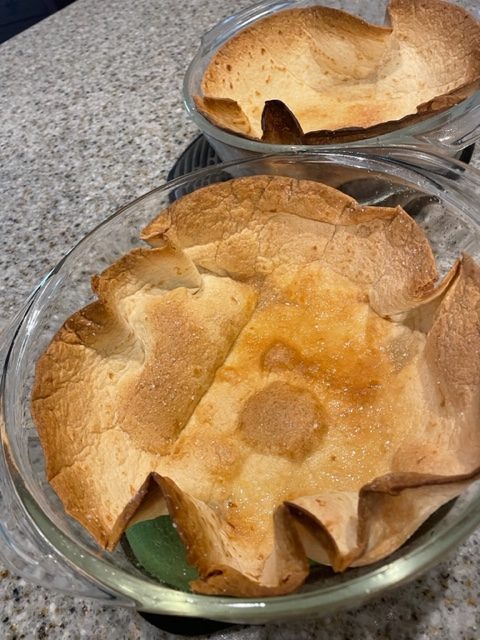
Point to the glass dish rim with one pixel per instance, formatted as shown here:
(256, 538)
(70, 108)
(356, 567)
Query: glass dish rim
(229, 26)
(167, 600)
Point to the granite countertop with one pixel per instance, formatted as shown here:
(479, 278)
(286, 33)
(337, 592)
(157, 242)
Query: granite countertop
(91, 118)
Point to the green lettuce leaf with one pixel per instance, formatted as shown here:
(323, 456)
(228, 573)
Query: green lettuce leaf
(158, 549)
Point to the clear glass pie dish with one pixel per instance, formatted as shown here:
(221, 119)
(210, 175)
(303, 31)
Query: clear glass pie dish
(450, 130)
(40, 542)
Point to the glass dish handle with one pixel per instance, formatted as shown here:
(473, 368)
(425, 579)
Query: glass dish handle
(23, 549)
(458, 133)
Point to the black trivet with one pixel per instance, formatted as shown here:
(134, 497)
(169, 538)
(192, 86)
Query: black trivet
(467, 154)
(199, 154)
(184, 626)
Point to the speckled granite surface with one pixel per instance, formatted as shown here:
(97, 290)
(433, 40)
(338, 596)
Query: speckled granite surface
(91, 117)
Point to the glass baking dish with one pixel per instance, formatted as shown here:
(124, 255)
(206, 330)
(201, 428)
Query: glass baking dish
(451, 130)
(40, 542)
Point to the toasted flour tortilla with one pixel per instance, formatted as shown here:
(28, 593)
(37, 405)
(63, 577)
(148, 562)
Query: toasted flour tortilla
(280, 372)
(316, 75)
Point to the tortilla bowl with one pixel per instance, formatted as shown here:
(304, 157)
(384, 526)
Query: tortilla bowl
(295, 77)
(70, 288)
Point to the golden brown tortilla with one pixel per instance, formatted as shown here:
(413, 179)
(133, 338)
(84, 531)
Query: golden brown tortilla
(279, 372)
(339, 77)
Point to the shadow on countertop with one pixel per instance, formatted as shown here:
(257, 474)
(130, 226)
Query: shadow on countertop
(18, 15)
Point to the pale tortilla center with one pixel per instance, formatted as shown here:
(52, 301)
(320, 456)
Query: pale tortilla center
(347, 370)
